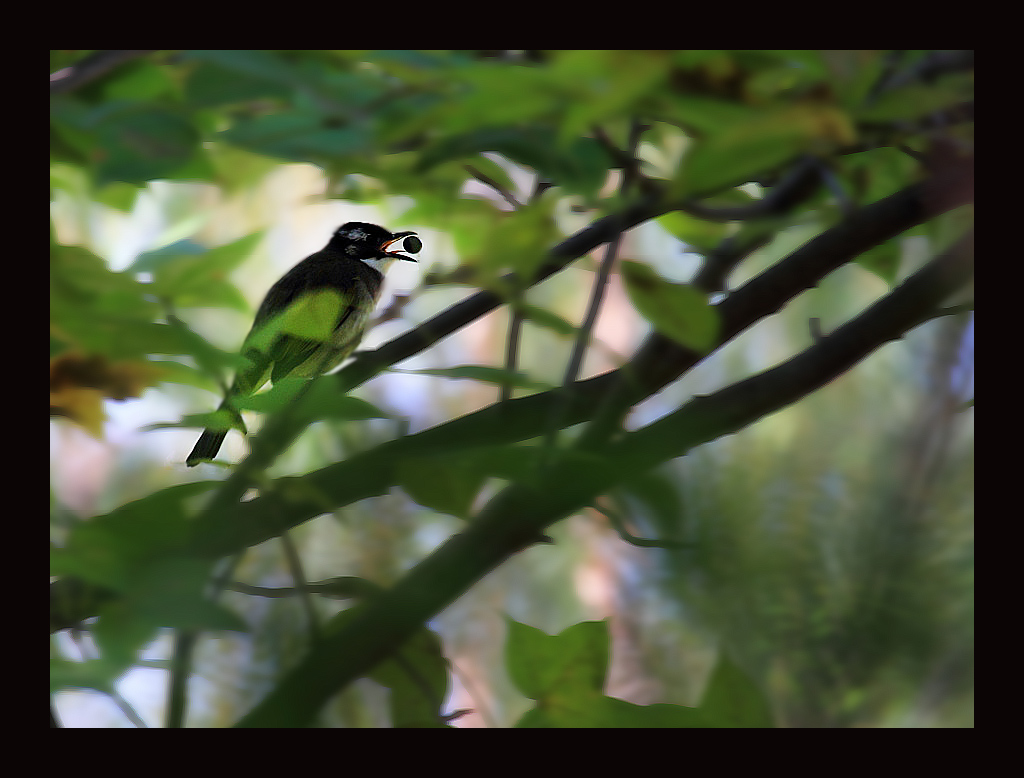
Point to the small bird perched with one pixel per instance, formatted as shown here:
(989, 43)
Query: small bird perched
(314, 317)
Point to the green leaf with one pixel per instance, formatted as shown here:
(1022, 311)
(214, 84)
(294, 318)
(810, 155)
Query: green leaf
(93, 308)
(499, 95)
(137, 142)
(738, 153)
(216, 262)
(176, 338)
(549, 320)
(212, 84)
(701, 234)
(916, 100)
(139, 80)
(882, 260)
(266, 66)
(418, 677)
(658, 494)
(190, 276)
(581, 166)
(99, 674)
(519, 241)
(449, 483)
(609, 83)
(446, 484)
(706, 116)
(678, 311)
(566, 674)
(109, 550)
(547, 668)
(733, 700)
(299, 136)
(169, 592)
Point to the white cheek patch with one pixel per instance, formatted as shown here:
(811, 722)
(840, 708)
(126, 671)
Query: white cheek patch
(380, 264)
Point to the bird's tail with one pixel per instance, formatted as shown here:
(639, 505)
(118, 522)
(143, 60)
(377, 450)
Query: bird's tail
(210, 441)
(206, 447)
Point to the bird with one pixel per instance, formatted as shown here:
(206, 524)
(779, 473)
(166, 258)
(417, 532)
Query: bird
(313, 318)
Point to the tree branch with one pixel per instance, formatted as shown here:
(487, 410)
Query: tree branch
(657, 362)
(518, 514)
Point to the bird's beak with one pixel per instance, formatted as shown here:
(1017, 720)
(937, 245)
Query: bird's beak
(395, 237)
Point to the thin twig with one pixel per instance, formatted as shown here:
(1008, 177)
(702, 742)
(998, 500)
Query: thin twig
(579, 349)
(483, 178)
(629, 175)
(299, 577)
(515, 328)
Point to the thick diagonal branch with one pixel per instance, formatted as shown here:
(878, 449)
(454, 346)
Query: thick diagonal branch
(517, 515)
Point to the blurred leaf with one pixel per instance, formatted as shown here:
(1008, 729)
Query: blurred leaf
(760, 144)
(167, 593)
(678, 311)
(118, 195)
(265, 65)
(701, 234)
(449, 483)
(882, 260)
(581, 166)
(189, 279)
(298, 136)
(916, 100)
(212, 84)
(139, 142)
(176, 338)
(706, 116)
(99, 674)
(94, 310)
(418, 676)
(658, 494)
(78, 385)
(82, 405)
(494, 95)
(519, 241)
(733, 700)
(549, 320)
(109, 550)
(139, 80)
(611, 84)
(442, 483)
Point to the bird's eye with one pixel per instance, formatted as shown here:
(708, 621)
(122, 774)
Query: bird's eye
(412, 244)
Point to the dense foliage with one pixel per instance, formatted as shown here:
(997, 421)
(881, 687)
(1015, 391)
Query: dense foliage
(860, 152)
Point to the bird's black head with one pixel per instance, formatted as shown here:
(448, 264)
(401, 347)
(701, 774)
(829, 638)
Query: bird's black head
(360, 240)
